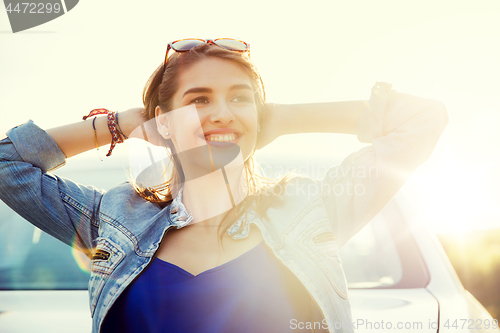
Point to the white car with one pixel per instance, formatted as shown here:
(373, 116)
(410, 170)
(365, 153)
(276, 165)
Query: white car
(399, 278)
(398, 275)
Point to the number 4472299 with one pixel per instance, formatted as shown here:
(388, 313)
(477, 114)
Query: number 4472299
(42, 8)
(477, 324)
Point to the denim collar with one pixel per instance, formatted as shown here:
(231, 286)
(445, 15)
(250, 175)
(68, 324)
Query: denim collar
(181, 218)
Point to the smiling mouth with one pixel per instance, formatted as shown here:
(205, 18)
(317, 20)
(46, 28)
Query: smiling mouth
(230, 137)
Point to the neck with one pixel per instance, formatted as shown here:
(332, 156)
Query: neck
(210, 197)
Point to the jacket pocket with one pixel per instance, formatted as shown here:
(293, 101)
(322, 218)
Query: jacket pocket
(105, 257)
(320, 243)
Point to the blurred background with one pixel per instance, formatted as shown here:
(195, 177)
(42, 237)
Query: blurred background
(101, 53)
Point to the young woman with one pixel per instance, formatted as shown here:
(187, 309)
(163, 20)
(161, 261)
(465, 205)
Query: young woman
(214, 247)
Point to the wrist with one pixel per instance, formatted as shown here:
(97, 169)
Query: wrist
(130, 120)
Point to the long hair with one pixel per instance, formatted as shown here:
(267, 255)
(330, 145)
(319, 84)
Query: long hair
(159, 91)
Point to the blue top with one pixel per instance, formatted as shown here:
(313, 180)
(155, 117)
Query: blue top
(254, 292)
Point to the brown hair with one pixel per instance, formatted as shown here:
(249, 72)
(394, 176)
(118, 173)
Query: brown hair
(159, 91)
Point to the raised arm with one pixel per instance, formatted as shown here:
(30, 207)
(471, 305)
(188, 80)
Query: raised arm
(402, 131)
(333, 117)
(58, 206)
(78, 137)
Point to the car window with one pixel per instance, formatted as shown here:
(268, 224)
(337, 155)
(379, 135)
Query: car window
(31, 259)
(371, 259)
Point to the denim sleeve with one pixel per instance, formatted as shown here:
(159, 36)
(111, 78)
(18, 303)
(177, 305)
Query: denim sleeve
(62, 208)
(402, 131)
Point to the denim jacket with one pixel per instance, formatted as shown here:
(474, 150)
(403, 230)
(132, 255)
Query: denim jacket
(122, 231)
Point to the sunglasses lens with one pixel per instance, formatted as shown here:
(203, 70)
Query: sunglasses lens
(186, 44)
(231, 44)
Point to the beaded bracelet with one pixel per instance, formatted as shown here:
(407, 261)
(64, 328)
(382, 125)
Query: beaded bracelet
(119, 128)
(112, 126)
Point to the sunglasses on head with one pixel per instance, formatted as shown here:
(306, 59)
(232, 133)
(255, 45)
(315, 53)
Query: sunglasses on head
(184, 45)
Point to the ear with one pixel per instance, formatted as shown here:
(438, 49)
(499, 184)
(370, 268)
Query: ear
(163, 123)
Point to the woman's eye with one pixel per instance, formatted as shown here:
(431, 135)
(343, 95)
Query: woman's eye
(199, 100)
(242, 99)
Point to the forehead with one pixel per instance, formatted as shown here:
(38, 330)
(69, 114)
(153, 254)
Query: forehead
(213, 73)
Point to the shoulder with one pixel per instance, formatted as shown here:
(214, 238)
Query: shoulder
(300, 185)
(123, 208)
(123, 187)
(123, 190)
(124, 197)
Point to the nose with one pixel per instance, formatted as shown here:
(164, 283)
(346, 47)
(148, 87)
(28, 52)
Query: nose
(222, 114)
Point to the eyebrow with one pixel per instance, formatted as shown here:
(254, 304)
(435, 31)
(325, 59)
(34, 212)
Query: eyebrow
(208, 90)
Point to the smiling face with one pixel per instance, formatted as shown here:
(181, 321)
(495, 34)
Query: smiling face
(223, 95)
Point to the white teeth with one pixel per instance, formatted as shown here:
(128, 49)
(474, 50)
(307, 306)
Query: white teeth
(221, 137)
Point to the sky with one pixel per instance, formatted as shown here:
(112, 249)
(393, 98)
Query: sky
(101, 53)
